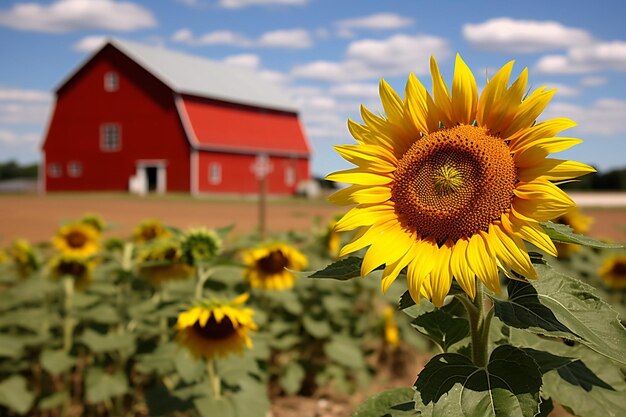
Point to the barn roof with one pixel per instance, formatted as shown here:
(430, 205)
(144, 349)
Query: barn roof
(188, 74)
(240, 129)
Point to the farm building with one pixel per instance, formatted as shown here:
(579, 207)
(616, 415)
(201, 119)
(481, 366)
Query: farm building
(140, 118)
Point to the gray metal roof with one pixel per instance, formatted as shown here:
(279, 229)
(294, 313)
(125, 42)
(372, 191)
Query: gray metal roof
(188, 74)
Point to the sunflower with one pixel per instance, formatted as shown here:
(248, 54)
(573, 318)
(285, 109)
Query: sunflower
(24, 258)
(77, 267)
(200, 245)
(392, 336)
(94, 220)
(613, 272)
(77, 239)
(216, 328)
(162, 260)
(3, 257)
(451, 185)
(267, 266)
(149, 230)
(579, 223)
(332, 239)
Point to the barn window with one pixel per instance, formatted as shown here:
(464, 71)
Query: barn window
(110, 138)
(74, 169)
(111, 81)
(55, 170)
(215, 173)
(290, 176)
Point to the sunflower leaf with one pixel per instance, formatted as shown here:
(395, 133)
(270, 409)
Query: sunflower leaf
(15, 395)
(102, 386)
(386, 404)
(342, 270)
(564, 234)
(442, 328)
(557, 305)
(56, 361)
(509, 385)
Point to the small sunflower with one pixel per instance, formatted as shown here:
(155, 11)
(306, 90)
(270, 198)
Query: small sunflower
(392, 336)
(94, 220)
(162, 260)
(266, 266)
(213, 328)
(77, 267)
(332, 239)
(451, 185)
(77, 239)
(579, 223)
(200, 246)
(24, 258)
(3, 257)
(613, 272)
(149, 230)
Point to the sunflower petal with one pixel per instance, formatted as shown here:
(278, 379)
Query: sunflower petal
(390, 245)
(533, 233)
(492, 93)
(420, 106)
(555, 170)
(392, 270)
(365, 216)
(511, 250)
(441, 275)
(529, 110)
(464, 93)
(535, 152)
(461, 269)
(441, 95)
(482, 262)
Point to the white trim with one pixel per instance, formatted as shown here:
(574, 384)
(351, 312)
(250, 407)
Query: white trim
(193, 174)
(186, 122)
(138, 183)
(215, 173)
(251, 151)
(41, 180)
(152, 162)
(290, 175)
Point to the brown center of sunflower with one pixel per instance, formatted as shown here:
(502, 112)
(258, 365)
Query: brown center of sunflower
(453, 183)
(273, 263)
(213, 330)
(149, 233)
(619, 269)
(76, 239)
(75, 269)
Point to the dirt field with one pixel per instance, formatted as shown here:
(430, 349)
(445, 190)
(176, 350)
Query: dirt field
(37, 217)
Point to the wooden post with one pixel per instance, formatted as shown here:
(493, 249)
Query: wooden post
(261, 168)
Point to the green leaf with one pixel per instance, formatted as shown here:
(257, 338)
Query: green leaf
(161, 402)
(443, 328)
(571, 370)
(53, 401)
(160, 361)
(319, 329)
(341, 270)
(10, 347)
(384, 404)
(101, 313)
(212, 407)
(509, 385)
(291, 378)
(26, 318)
(564, 234)
(101, 343)
(251, 399)
(102, 386)
(15, 395)
(56, 361)
(560, 306)
(344, 351)
(189, 368)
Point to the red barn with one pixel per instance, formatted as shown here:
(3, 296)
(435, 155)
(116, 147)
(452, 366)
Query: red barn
(140, 118)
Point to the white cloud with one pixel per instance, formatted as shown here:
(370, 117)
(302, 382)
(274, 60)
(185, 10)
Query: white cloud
(295, 38)
(599, 56)
(8, 137)
(193, 3)
(508, 35)
(563, 90)
(249, 61)
(368, 58)
(15, 94)
(16, 113)
(376, 21)
(90, 43)
(593, 81)
(240, 4)
(355, 90)
(71, 15)
(603, 117)
(290, 39)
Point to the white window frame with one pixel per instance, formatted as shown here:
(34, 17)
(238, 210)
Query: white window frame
(105, 146)
(111, 81)
(290, 176)
(215, 173)
(74, 169)
(55, 170)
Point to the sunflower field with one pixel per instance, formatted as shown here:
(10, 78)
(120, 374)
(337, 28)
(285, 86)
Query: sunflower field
(477, 276)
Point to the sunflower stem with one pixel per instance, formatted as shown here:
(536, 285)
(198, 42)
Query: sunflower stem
(214, 379)
(479, 325)
(202, 276)
(68, 323)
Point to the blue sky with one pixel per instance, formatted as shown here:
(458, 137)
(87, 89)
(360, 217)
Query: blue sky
(329, 56)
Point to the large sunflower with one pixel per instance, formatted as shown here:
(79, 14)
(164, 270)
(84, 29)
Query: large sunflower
(450, 185)
(77, 239)
(267, 266)
(216, 328)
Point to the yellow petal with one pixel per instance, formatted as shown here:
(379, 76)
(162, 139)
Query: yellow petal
(419, 268)
(392, 270)
(365, 216)
(391, 103)
(464, 93)
(390, 245)
(534, 153)
(441, 275)
(529, 110)
(441, 95)
(420, 106)
(543, 192)
(360, 176)
(511, 250)
(483, 262)
(461, 269)
(532, 232)
(545, 129)
(555, 170)
(492, 93)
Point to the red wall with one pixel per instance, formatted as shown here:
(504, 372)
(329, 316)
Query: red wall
(237, 175)
(142, 106)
